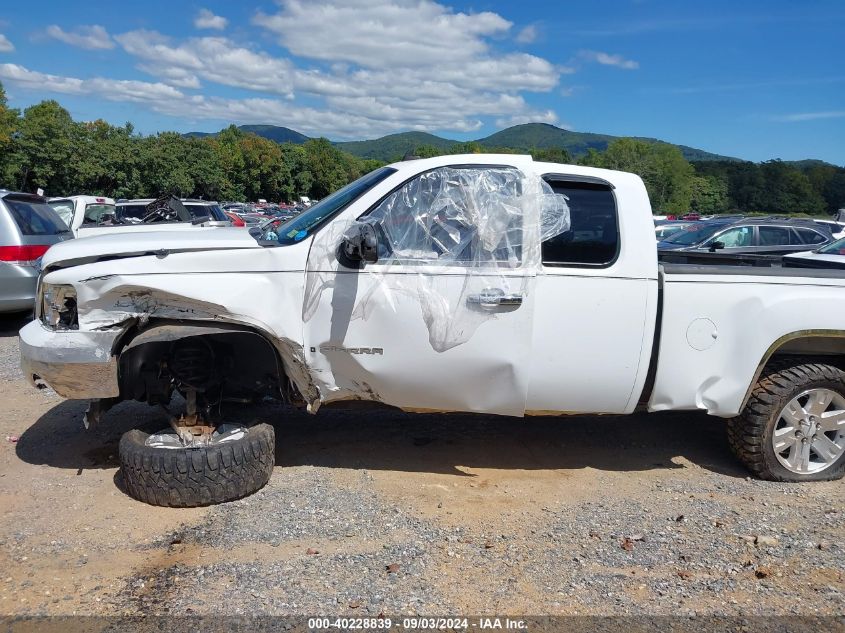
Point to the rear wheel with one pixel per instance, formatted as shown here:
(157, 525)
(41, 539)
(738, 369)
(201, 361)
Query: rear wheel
(793, 427)
(157, 469)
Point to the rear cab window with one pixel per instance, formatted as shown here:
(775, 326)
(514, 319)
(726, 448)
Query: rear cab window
(96, 212)
(33, 216)
(593, 239)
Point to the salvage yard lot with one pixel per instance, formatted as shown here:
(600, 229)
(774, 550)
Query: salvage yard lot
(374, 512)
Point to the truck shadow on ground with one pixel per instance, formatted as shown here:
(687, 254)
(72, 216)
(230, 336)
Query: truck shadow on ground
(429, 443)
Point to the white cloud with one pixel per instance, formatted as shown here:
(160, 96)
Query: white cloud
(810, 116)
(111, 89)
(92, 37)
(539, 117)
(365, 72)
(5, 45)
(207, 20)
(609, 60)
(382, 33)
(527, 34)
(216, 59)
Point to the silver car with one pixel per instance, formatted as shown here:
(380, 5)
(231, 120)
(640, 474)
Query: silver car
(28, 227)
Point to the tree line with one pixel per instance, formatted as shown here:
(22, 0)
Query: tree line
(43, 147)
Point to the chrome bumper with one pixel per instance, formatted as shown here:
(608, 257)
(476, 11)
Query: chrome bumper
(77, 365)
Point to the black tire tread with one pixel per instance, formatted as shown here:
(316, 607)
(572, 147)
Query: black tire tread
(188, 478)
(780, 379)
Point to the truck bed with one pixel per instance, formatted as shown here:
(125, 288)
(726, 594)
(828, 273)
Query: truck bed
(722, 319)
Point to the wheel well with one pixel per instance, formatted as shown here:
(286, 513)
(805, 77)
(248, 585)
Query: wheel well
(832, 348)
(823, 346)
(225, 362)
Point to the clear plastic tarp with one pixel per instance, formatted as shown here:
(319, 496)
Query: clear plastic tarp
(463, 240)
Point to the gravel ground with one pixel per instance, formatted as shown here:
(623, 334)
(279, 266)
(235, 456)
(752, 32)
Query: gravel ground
(374, 512)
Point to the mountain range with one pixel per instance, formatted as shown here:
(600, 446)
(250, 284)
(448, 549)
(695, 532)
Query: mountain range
(524, 137)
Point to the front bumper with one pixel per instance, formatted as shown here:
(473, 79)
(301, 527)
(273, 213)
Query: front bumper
(77, 365)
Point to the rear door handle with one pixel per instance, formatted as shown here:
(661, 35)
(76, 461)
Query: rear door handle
(494, 297)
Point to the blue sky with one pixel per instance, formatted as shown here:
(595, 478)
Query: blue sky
(756, 80)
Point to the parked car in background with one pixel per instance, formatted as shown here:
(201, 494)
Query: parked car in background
(829, 256)
(252, 219)
(162, 214)
(836, 228)
(762, 236)
(28, 227)
(87, 211)
(136, 210)
(235, 218)
(665, 228)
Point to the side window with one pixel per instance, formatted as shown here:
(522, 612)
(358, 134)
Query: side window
(811, 237)
(453, 215)
(774, 236)
(736, 238)
(593, 238)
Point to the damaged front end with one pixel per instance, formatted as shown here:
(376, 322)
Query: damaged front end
(105, 333)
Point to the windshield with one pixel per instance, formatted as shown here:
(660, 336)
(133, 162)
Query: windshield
(694, 233)
(662, 232)
(302, 225)
(834, 248)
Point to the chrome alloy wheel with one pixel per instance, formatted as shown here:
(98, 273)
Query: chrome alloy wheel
(809, 434)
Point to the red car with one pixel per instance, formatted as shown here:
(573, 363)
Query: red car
(236, 221)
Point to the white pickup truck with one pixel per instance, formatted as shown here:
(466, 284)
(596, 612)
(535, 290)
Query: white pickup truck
(487, 283)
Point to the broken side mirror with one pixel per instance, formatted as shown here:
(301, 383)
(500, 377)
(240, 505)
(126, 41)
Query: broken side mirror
(716, 246)
(359, 245)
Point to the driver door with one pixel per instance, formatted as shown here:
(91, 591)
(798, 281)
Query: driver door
(429, 326)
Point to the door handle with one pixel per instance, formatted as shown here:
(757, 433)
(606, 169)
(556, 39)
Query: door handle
(493, 298)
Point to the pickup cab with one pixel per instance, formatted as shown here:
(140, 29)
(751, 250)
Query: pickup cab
(481, 283)
(83, 212)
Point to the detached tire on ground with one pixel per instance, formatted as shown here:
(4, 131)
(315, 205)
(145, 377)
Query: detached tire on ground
(793, 427)
(191, 477)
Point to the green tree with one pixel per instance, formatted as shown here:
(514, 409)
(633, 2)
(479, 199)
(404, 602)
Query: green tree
(107, 161)
(708, 194)
(165, 159)
(227, 146)
(665, 172)
(787, 190)
(8, 154)
(834, 192)
(328, 166)
(45, 146)
(552, 155)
